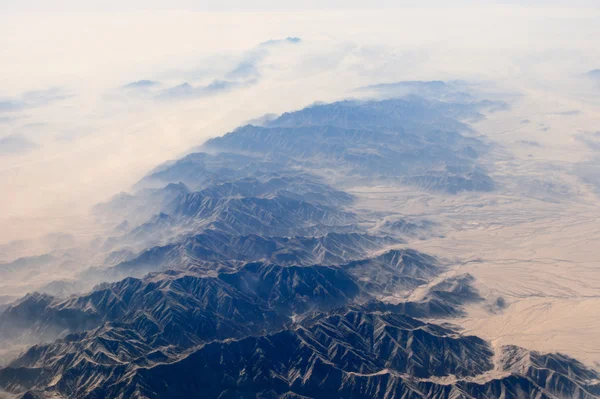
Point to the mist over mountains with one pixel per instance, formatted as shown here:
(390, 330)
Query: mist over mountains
(250, 269)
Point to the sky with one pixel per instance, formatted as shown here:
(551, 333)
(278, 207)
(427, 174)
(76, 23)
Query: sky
(264, 5)
(72, 135)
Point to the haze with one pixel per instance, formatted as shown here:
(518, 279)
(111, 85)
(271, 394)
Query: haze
(83, 126)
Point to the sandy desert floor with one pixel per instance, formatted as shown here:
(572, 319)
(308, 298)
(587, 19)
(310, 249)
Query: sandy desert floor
(535, 242)
(541, 258)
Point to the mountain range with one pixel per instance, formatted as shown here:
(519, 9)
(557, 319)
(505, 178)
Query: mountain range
(246, 269)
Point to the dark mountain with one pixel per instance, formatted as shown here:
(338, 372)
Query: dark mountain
(280, 215)
(295, 289)
(361, 152)
(320, 358)
(143, 322)
(394, 272)
(214, 246)
(123, 338)
(133, 321)
(401, 138)
(455, 290)
(277, 216)
(139, 207)
(373, 140)
(302, 187)
(49, 317)
(398, 114)
(345, 354)
(272, 204)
